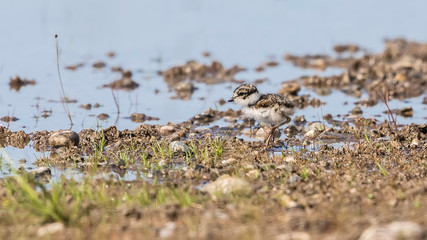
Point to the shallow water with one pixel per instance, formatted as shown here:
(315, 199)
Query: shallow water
(148, 36)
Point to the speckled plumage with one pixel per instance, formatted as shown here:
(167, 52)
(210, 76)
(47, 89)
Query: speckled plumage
(271, 109)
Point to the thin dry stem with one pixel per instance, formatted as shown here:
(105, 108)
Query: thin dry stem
(62, 94)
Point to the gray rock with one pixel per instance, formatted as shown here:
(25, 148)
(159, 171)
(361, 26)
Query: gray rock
(166, 130)
(66, 138)
(311, 133)
(356, 110)
(315, 126)
(399, 230)
(177, 146)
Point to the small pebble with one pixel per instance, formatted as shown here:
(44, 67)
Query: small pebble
(166, 130)
(66, 138)
(177, 146)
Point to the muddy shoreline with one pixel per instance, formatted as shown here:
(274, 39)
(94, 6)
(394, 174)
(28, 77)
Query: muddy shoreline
(345, 176)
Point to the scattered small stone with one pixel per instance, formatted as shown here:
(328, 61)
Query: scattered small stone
(230, 119)
(138, 117)
(204, 117)
(271, 64)
(394, 231)
(99, 64)
(425, 100)
(415, 142)
(213, 73)
(315, 126)
(300, 119)
(184, 87)
(230, 160)
(111, 54)
(190, 173)
(97, 105)
(166, 130)
(222, 102)
(294, 179)
(290, 88)
(254, 174)
(287, 201)
(150, 118)
(46, 113)
(328, 117)
(40, 171)
(117, 69)
(177, 146)
(66, 138)
(68, 100)
(103, 116)
(206, 54)
(74, 66)
(259, 68)
(357, 110)
(127, 74)
(261, 133)
(289, 159)
(226, 184)
(168, 230)
(86, 106)
(346, 48)
(405, 112)
(9, 119)
(125, 83)
(50, 228)
(18, 82)
(199, 167)
(291, 129)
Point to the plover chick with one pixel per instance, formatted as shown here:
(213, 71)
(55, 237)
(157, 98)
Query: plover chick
(272, 109)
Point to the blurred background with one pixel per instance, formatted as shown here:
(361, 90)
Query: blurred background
(152, 36)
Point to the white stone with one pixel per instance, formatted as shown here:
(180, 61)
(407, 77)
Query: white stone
(394, 231)
(229, 185)
(167, 230)
(50, 228)
(177, 146)
(166, 130)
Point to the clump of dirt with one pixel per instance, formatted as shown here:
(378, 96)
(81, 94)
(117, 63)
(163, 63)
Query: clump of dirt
(211, 115)
(17, 139)
(141, 117)
(398, 72)
(99, 64)
(125, 83)
(9, 119)
(74, 67)
(17, 82)
(350, 48)
(192, 70)
(103, 116)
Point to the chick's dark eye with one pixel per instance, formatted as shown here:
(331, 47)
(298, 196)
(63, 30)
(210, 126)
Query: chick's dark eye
(240, 94)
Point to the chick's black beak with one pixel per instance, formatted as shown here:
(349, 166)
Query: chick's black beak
(231, 100)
